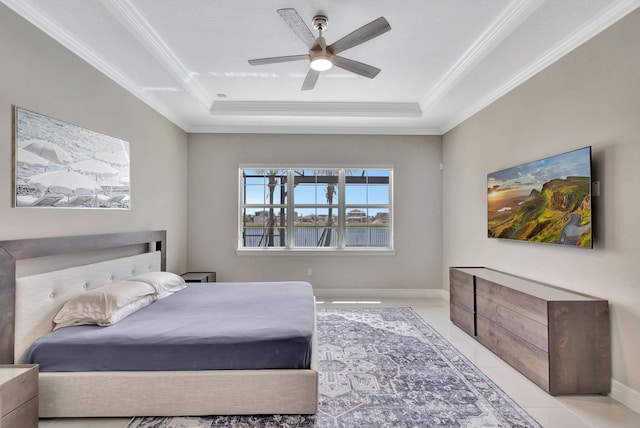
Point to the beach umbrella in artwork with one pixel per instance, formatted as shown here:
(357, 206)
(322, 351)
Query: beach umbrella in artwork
(120, 159)
(47, 150)
(95, 167)
(65, 182)
(125, 181)
(24, 157)
(112, 158)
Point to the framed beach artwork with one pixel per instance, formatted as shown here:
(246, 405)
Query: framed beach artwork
(60, 165)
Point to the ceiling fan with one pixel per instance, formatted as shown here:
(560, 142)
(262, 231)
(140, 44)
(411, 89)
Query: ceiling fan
(322, 57)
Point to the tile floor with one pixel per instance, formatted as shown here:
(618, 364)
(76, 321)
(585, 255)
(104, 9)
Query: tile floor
(591, 411)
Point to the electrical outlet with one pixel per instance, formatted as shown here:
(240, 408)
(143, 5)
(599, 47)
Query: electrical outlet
(309, 271)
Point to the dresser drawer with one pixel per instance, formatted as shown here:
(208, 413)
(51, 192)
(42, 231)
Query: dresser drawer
(461, 297)
(25, 416)
(462, 280)
(525, 304)
(529, 330)
(461, 289)
(524, 357)
(463, 318)
(19, 395)
(18, 384)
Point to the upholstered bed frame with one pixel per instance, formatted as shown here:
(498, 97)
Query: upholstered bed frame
(28, 305)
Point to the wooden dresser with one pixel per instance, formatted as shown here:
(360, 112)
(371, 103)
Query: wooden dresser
(19, 395)
(557, 338)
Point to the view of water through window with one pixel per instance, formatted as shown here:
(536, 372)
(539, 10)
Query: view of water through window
(330, 208)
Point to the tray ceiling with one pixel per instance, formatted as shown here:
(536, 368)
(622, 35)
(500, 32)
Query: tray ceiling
(441, 62)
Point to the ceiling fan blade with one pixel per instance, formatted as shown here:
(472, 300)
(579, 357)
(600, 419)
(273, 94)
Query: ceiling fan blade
(355, 67)
(310, 80)
(276, 59)
(361, 35)
(298, 26)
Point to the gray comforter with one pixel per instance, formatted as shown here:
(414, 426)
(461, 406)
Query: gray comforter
(216, 326)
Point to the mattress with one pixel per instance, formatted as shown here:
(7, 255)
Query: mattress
(209, 326)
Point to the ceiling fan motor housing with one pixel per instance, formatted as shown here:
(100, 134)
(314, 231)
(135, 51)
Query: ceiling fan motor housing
(320, 22)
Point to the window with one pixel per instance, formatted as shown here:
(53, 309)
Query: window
(315, 208)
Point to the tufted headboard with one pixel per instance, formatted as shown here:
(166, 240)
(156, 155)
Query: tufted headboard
(40, 297)
(28, 304)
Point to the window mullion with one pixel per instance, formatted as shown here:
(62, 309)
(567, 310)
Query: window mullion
(290, 241)
(341, 209)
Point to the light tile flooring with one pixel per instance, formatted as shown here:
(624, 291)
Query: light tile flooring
(592, 411)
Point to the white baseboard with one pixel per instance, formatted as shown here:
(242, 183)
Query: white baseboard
(625, 395)
(377, 293)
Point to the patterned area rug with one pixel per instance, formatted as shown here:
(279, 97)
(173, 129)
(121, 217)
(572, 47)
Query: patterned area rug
(384, 367)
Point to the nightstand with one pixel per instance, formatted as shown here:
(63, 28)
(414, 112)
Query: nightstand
(19, 395)
(199, 277)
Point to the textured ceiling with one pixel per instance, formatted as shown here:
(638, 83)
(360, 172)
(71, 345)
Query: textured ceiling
(441, 62)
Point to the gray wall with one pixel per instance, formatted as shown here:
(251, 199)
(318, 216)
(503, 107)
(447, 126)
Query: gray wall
(590, 97)
(213, 209)
(40, 75)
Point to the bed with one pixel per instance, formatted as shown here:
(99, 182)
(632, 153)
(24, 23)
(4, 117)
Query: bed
(29, 303)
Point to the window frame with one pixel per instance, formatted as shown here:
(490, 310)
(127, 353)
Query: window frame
(290, 206)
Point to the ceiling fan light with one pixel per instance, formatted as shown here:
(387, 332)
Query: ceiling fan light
(321, 63)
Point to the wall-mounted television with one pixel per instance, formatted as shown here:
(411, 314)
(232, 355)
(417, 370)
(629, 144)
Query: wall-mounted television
(548, 200)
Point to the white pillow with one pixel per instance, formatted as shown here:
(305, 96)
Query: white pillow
(105, 305)
(165, 283)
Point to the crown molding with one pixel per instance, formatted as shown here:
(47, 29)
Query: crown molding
(314, 129)
(51, 28)
(616, 11)
(127, 14)
(323, 109)
(500, 29)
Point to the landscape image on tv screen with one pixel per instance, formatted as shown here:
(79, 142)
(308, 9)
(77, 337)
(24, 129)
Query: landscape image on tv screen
(548, 200)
